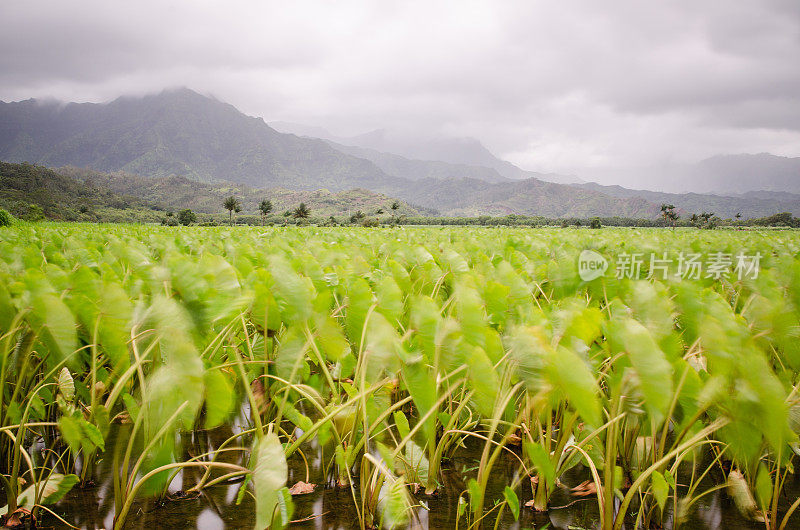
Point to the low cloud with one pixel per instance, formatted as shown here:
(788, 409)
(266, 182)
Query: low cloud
(578, 86)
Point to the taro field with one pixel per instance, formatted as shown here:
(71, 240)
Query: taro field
(313, 377)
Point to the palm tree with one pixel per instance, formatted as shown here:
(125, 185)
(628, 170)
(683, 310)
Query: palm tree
(232, 204)
(356, 217)
(301, 212)
(669, 215)
(265, 208)
(709, 220)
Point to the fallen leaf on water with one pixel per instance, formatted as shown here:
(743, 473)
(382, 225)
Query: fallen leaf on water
(301, 488)
(180, 494)
(21, 518)
(585, 488)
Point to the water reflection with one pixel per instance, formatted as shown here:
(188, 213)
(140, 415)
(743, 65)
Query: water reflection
(92, 507)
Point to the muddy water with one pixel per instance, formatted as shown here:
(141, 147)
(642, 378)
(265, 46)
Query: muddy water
(330, 507)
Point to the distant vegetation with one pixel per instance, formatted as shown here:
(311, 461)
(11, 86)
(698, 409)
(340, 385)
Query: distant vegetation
(6, 219)
(34, 193)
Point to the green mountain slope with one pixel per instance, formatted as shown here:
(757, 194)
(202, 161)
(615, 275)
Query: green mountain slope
(30, 192)
(176, 132)
(467, 197)
(71, 194)
(750, 205)
(175, 193)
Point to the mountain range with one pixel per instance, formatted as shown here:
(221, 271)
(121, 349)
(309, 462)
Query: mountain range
(393, 150)
(180, 133)
(76, 194)
(742, 173)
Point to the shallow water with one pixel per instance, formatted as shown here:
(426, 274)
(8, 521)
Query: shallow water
(330, 507)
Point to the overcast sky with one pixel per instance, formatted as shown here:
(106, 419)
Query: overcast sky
(568, 86)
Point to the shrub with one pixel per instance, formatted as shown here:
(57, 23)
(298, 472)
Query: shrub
(32, 212)
(6, 219)
(187, 217)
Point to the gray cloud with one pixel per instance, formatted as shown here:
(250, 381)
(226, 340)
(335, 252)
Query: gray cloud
(575, 86)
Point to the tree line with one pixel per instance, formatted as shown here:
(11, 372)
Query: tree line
(669, 218)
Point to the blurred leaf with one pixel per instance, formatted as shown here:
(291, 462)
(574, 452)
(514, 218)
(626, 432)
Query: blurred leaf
(66, 386)
(483, 380)
(401, 422)
(651, 366)
(390, 300)
(541, 461)
(764, 487)
(51, 491)
(219, 398)
(57, 323)
(421, 384)
(270, 472)
(331, 339)
(571, 374)
(291, 354)
(660, 489)
(359, 300)
(131, 406)
(513, 501)
(394, 503)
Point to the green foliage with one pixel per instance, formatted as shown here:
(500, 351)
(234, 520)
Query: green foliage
(301, 212)
(6, 219)
(49, 491)
(779, 219)
(269, 476)
(388, 352)
(186, 217)
(34, 193)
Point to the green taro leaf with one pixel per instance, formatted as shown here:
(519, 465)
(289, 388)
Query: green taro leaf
(571, 374)
(652, 368)
(50, 491)
(660, 489)
(541, 461)
(513, 501)
(59, 333)
(66, 386)
(331, 339)
(401, 422)
(483, 379)
(220, 398)
(270, 472)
